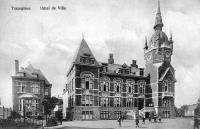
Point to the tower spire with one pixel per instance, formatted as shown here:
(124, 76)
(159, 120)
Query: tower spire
(158, 9)
(158, 20)
(145, 46)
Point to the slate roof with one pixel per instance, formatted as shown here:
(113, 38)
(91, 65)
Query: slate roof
(31, 72)
(83, 51)
(114, 68)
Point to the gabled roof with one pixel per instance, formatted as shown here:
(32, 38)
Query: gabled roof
(84, 50)
(30, 72)
(169, 69)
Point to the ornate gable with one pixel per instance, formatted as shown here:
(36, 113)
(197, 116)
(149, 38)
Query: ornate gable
(84, 55)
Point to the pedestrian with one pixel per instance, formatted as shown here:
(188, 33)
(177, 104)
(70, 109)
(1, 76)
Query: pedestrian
(196, 122)
(143, 119)
(120, 120)
(159, 118)
(149, 118)
(155, 118)
(137, 122)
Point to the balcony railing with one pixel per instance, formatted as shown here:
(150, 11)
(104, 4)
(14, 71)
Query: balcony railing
(168, 94)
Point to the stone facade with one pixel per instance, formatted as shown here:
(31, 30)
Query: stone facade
(106, 90)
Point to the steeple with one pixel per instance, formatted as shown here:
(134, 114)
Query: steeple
(158, 20)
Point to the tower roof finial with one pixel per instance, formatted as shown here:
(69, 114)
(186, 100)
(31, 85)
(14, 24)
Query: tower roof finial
(145, 46)
(82, 35)
(170, 34)
(158, 20)
(170, 38)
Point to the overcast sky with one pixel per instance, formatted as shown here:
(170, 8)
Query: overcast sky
(49, 39)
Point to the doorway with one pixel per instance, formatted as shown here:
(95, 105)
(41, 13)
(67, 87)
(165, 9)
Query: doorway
(140, 103)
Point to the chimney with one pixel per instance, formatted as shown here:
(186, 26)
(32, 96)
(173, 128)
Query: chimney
(16, 66)
(141, 72)
(134, 64)
(111, 59)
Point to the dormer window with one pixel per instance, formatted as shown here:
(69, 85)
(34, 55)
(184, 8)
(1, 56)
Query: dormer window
(105, 69)
(86, 60)
(35, 75)
(87, 54)
(91, 61)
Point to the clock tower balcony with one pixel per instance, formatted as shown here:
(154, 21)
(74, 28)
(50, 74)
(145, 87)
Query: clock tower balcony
(167, 94)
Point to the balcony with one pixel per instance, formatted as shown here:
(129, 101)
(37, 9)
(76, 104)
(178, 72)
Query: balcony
(167, 94)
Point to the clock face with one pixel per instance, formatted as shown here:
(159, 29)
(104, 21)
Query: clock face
(167, 54)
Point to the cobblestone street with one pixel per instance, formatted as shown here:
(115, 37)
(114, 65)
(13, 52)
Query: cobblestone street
(178, 123)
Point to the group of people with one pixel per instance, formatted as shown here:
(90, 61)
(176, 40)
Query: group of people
(155, 118)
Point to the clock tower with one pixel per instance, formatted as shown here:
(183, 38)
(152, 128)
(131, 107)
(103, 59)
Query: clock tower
(157, 55)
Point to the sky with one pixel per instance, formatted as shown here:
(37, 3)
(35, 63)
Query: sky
(48, 39)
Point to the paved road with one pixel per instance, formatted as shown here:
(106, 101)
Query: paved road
(179, 123)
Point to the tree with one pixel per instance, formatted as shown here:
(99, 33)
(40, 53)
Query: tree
(14, 115)
(59, 116)
(49, 104)
(180, 112)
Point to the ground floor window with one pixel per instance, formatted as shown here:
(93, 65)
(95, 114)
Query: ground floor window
(87, 115)
(166, 114)
(117, 114)
(104, 115)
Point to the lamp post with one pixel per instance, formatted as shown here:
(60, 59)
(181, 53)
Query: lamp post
(24, 110)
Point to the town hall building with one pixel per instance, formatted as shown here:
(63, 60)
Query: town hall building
(106, 90)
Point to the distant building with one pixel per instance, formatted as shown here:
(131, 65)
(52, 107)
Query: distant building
(189, 110)
(65, 103)
(29, 87)
(107, 90)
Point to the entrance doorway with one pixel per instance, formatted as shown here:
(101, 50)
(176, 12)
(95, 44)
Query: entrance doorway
(140, 103)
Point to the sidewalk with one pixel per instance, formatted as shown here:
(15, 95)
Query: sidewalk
(127, 124)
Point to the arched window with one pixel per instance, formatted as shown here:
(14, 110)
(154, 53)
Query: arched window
(141, 86)
(166, 86)
(130, 86)
(117, 102)
(87, 80)
(117, 85)
(129, 102)
(105, 83)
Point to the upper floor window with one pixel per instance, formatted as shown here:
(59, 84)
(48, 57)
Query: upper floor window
(46, 91)
(130, 86)
(117, 102)
(35, 89)
(141, 86)
(87, 80)
(105, 83)
(166, 103)
(21, 87)
(166, 86)
(129, 102)
(87, 100)
(104, 102)
(117, 85)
